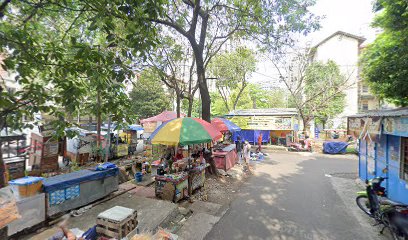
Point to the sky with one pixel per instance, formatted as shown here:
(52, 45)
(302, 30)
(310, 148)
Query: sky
(352, 16)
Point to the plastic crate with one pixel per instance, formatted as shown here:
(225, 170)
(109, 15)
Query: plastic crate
(26, 186)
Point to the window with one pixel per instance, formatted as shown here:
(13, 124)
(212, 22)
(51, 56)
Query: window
(365, 89)
(404, 158)
(364, 106)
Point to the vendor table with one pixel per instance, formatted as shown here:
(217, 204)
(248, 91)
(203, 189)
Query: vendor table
(171, 189)
(72, 190)
(226, 157)
(196, 178)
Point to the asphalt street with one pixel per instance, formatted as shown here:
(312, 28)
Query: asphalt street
(291, 196)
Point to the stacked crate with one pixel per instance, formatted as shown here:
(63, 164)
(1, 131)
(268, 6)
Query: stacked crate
(116, 222)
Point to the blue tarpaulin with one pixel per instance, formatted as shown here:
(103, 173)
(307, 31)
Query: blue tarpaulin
(252, 135)
(66, 180)
(334, 147)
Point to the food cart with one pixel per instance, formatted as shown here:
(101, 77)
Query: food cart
(172, 187)
(196, 177)
(183, 132)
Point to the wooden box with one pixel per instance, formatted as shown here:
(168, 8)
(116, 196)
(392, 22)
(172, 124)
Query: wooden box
(116, 222)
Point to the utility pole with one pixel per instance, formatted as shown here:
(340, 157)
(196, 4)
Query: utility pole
(99, 121)
(108, 145)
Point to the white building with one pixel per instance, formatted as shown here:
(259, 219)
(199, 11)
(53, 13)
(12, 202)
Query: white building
(344, 49)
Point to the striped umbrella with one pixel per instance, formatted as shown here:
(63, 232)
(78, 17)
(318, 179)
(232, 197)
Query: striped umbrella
(185, 131)
(224, 125)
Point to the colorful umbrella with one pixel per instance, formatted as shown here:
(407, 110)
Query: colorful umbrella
(184, 131)
(224, 125)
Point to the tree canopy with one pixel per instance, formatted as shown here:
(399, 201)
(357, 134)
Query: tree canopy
(232, 71)
(148, 97)
(384, 64)
(65, 53)
(208, 25)
(316, 89)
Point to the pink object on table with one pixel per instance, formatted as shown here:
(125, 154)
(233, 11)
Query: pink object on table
(225, 160)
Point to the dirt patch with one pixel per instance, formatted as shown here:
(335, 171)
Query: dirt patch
(223, 189)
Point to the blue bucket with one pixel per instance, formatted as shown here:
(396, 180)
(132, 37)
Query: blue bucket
(139, 177)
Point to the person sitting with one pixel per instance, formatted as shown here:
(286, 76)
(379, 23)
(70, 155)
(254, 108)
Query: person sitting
(179, 154)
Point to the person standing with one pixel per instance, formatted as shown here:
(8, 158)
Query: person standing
(247, 153)
(238, 146)
(259, 149)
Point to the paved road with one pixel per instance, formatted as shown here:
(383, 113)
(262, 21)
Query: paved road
(291, 196)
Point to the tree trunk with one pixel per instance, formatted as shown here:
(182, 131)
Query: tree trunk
(2, 168)
(306, 127)
(202, 86)
(190, 106)
(178, 100)
(98, 127)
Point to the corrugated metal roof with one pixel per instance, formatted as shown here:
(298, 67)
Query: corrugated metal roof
(384, 113)
(264, 112)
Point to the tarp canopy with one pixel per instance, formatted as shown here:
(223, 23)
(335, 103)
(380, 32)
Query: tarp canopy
(185, 131)
(135, 127)
(334, 147)
(66, 180)
(252, 135)
(162, 117)
(224, 125)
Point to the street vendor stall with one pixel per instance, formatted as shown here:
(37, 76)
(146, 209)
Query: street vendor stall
(76, 189)
(225, 154)
(225, 157)
(172, 187)
(182, 132)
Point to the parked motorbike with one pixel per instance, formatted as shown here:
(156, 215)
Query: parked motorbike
(390, 214)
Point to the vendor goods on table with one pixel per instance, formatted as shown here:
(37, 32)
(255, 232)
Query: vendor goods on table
(172, 187)
(116, 222)
(196, 178)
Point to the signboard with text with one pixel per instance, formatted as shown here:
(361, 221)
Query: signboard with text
(263, 122)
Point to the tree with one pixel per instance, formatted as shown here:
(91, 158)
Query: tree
(316, 89)
(261, 98)
(384, 64)
(174, 64)
(232, 70)
(208, 25)
(148, 97)
(66, 51)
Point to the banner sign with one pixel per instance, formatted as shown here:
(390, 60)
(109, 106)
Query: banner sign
(368, 128)
(262, 122)
(397, 126)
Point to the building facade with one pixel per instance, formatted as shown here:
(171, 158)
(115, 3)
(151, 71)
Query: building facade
(344, 49)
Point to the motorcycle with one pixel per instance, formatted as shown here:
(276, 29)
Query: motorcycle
(392, 215)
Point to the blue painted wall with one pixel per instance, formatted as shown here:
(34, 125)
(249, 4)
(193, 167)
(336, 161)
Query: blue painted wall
(384, 154)
(362, 160)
